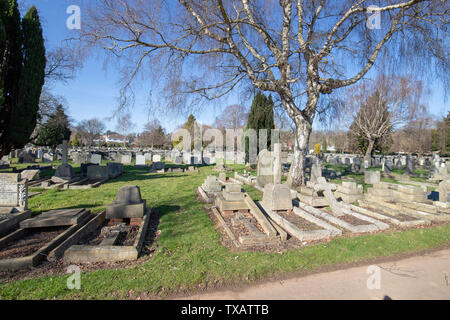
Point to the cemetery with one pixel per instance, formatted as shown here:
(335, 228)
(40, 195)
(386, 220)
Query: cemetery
(152, 188)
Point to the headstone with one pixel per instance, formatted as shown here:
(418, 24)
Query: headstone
(96, 159)
(409, 165)
(114, 169)
(30, 174)
(211, 185)
(158, 166)
(233, 192)
(444, 191)
(156, 158)
(128, 204)
(96, 172)
(13, 191)
(65, 171)
(126, 159)
(436, 163)
(316, 172)
(349, 192)
(140, 160)
(371, 177)
(27, 157)
(327, 189)
(277, 197)
(265, 169)
(388, 165)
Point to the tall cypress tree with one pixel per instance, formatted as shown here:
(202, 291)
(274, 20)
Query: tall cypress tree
(260, 117)
(22, 73)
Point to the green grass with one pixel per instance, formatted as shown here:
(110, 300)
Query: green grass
(188, 254)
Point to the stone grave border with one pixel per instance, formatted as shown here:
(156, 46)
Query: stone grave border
(373, 226)
(304, 235)
(367, 208)
(420, 215)
(13, 221)
(37, 257)
(87, 253)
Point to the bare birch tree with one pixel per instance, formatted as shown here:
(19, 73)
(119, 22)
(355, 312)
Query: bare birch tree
(299, 49)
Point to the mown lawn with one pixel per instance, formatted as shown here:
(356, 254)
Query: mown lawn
(188, 254)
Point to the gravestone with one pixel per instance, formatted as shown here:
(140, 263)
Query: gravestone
(349, 192)
(277, 197)
(65, 171)
(13, 191)
(327, 189)
(27, 157)
(128, 204)
(371, 177)
(158, 166)
(30, 174)
(96, 159)
(125, 159)
(265, 168)
(96, 172)
(444, 191)
(316, 172)
(409, 165)
(388, 165)
(156, 158)
(114, 169)
(140, 160)
(436, 163)
(211, 185)
(233, 192)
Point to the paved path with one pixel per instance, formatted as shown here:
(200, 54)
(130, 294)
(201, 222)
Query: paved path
(422, 277)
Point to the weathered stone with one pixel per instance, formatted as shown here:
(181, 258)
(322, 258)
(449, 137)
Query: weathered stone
(140, 160)
(371, 177)
(277, 197)
(13, 191)
(444, 191)
(128, 204)
(126, 159)
(114, 169)
(96, 159)
(29, 174)
(97, 172)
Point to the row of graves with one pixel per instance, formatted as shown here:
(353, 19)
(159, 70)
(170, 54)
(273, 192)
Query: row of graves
(319, 210)
(70, 235)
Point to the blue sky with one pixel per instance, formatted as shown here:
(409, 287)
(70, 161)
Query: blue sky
(94, 91)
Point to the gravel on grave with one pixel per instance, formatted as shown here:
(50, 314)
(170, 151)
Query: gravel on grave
(59, 268)
(401, 217)
(299, 222)
(348, 218)
(126, 237)
(33, 240)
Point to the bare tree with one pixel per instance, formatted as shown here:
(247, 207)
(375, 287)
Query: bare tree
(153, 135)
(124, 125)
(89, 130)
(300, 49)
(233, 117)
(378, 107)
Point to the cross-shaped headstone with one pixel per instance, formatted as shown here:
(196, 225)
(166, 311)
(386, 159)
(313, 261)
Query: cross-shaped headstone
(327, 188)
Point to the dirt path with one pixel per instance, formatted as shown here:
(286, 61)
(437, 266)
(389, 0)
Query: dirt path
(421, 277)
